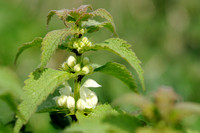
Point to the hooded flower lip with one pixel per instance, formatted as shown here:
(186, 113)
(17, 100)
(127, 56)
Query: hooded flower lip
(88, 98)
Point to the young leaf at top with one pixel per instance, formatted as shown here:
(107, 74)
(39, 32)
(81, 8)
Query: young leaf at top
(51, 42)
(121, 48)
(36, 42)
(106, 15)
(68, 16)
(36, 91)
(119, 71)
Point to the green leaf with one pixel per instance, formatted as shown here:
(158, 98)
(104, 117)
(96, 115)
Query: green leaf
(36, 42)
(121, 47)
(73, 15)
(119, 71)
(106, 15)
(93, 25)
(36, 90)
(51, 42)
(104, 119)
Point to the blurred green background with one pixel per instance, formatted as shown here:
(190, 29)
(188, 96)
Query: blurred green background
(165, 35)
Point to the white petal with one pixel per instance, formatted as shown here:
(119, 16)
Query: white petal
(61, 100)
(91, 83)
(67, 90)
(81, 105)
(77, 67)
(70, 102)
(89, 97)
(71, 61)
(92, 100)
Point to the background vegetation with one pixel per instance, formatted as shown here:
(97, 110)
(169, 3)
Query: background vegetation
(164, 35)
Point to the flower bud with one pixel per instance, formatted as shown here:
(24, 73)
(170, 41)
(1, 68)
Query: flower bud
(75, 45)
(61, 100)
(89, 44)
(91, 68)
(86, 69)
(82, 44)
(82, 31)
(65, 66)
(71, 61)
(86, 61)
(85, 40)
(77, 67)
(81, 105)
(70, 102)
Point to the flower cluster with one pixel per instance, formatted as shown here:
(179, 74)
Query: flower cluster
(72, 66)
(82, 45)
(87, 100)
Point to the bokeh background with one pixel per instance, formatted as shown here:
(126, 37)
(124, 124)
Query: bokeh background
(164, 34)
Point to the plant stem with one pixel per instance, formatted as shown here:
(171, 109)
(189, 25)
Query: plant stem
(77, 81)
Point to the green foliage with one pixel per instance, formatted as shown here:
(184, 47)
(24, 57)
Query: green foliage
(51, 41)
(164, 113)
(121, 48)
(36, 90)
(104, 119)
(119, 71)
(71, 16)
(93, 25)
(81, 18)
(36, 42)
(106, 15)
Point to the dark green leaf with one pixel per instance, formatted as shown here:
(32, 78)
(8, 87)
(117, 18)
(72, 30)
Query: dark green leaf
(36, 42)
(104, 119)
(36, 90)
(119, 71)
(106, 15)
(121, 48)
(51, 41)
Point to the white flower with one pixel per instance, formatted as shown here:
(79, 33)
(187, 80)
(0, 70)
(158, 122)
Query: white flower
(77, 67)
(67, 90)
(86, 69)
(85, 40)
(88, 98)
(75, 45)
(82, 44)
(71, 61)
(61, 100)
(66, 100)
(70, 103)
(81, 105)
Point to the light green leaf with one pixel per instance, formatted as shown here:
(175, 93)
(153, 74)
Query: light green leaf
(93, 25)
(51, 42)
(36, 42)
(119, 71)
(36, 90)
(121, 47)
(104, 119)
(59, 13)
(106, 15)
